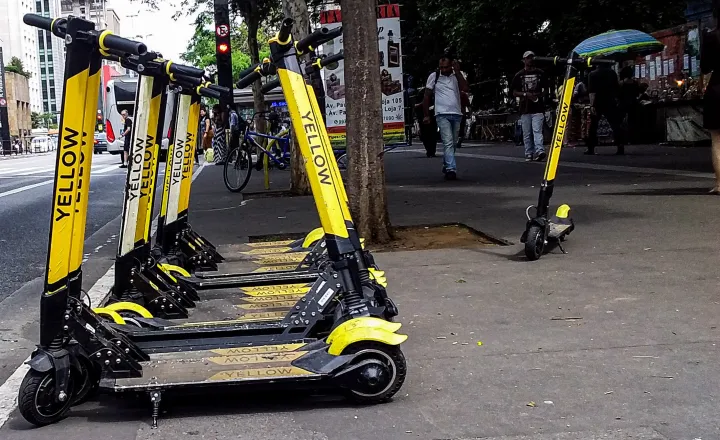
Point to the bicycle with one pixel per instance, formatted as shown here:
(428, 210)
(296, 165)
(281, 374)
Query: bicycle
(239, 163)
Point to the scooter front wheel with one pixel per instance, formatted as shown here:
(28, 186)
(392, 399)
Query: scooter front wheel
(534, 243)
(381, 379)
(37, 402)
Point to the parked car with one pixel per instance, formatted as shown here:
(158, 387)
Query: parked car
(42, 144)
(100, 142)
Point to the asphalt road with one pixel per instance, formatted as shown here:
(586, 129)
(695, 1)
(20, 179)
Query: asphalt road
(616, 340)
(25, 203)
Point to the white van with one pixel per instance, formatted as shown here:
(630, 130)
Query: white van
(42, 144)
(120, 95)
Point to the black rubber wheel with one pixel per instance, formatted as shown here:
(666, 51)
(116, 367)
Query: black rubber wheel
(36, 399)
(89, 381)
(238, 168)
(534, 243)
(392, 357)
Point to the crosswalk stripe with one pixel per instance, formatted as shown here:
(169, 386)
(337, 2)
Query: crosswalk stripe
(16, 170)
(106, 169)
(42, 170)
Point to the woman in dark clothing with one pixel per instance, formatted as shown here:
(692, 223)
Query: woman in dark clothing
(709, 62)
(628, 97)
(219, 141)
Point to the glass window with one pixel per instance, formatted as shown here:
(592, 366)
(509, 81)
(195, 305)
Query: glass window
(54, 109)
(51, 70)
(66, 5)
(42, 58)
(45, 94)
(46, 107)
(42, 71)
(52, 94)
(49, 57)
(52, 83)
(48, 39)
(47, 5)
(41, 40)
(38, 6)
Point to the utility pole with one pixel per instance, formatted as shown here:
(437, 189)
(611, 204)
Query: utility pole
(5, 142)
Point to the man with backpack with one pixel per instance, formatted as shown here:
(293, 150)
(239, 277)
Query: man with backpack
(444, 87)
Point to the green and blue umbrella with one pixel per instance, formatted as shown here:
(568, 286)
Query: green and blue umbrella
(618, 43)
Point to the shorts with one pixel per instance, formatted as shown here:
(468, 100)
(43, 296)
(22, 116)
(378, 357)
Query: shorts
(126, 147)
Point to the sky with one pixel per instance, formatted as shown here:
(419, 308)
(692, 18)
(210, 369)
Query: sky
(156, 27)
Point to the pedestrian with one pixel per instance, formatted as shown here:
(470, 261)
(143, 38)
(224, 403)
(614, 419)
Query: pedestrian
(219, 141)
(530, 85)
(604, 89)
(709, 62)
(444, 87)
(237, 128)
(206, 134)
(629, 94)
(127, 130)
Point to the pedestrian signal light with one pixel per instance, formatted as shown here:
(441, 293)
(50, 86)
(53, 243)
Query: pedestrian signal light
(223, 48)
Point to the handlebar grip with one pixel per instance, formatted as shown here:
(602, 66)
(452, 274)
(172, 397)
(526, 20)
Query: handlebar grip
(220, 89)
(284, 33)
(109, 41)
(37, 21)
(270, 86)
(318, 37)
(579, 61)
(248, 71)
(181, 69)
(248, 79)
(209, 93)
(332, 59)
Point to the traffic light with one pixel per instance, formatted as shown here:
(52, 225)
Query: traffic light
(222, 43)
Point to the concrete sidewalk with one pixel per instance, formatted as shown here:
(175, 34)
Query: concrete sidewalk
(616, 340)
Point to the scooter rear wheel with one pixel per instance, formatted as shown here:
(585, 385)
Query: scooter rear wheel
(534, 243)
(386, 386)
(37, 401)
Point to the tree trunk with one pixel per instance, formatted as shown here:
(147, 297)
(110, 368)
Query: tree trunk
(297, 10)
(366, 171)
(253, 23)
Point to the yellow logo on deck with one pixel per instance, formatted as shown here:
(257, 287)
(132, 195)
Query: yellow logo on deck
(280, 348)
(275, 268)
(293, 257)
(274, 298)
(267, 305)
(269, 243)
(267, 251)
(260, 373)
(250, 359)
(273, 287)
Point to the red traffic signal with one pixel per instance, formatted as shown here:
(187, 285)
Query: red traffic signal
(223, 48)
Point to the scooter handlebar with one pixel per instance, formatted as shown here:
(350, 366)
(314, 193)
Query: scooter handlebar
(209, 93)
(332, 59)
(109, 41)
(270, 86)
(579, 61)
(181, 69)
(317, 38)
(284, 34)
(56, 26)
(248, 79)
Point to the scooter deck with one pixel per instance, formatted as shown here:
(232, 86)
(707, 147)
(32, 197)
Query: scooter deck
(559, 228)
(222, 366)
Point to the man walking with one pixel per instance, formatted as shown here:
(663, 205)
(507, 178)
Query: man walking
(127, 130)
(445, 86)
(529, 85)
(604, 88)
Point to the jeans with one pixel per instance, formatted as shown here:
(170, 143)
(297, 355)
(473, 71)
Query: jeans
(532, 128)
(449, 126)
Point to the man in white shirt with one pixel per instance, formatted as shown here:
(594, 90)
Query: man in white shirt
(445, 86)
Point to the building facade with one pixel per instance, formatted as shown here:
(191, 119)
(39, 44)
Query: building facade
(17, 89)
(51, 53)
(19, 40)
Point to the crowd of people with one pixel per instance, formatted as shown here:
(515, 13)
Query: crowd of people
(212, 140)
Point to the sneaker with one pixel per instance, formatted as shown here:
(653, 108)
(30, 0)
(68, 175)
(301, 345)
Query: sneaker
(528, 158)
(123, 166)
(450, 175)
(541, 156)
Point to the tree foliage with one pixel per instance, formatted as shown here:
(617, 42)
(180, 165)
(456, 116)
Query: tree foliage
(491, 35)
(16, 66)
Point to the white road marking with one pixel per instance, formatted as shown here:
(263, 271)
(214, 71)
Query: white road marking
(25, 188)
(586, 166)
(98, 292)
(106, 169)
(17, 170)
(42, 170)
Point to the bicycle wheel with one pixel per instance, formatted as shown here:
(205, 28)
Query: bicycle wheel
(342, 162)
(238, 168)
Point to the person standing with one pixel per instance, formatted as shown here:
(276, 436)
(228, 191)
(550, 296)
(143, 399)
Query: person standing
(604, 89)
(529, 84)
(445, 85)
(709, 62)
(127, 130)
(219, 140)
(205, 133)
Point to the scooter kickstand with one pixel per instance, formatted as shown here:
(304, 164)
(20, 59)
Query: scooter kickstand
(155, 398)
(560, 246)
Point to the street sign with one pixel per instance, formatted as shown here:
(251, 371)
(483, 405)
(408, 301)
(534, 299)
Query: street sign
(4, 119)
(223, 30)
